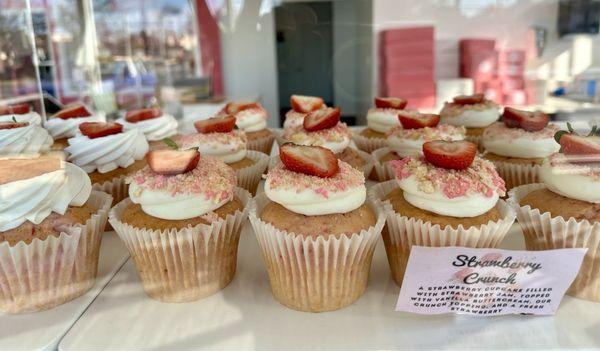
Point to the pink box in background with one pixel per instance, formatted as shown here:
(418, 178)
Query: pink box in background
(515, 97)
(470, 45)
(408, 63)
(512, 55)
(409, 78)
(403, 88)
(495, 95)
(408, 48)
(409, 33)
(511, 70)
(416, 101)
(516, 83)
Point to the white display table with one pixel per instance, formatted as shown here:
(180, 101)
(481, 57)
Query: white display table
(43, 330)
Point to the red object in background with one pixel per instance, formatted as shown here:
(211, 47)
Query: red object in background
(515, 97)
(517, 83)
(473, 45)
(511, 55)
(408, 63)
(210, 47)
(416, 101)
(415, 34)
(394, 49)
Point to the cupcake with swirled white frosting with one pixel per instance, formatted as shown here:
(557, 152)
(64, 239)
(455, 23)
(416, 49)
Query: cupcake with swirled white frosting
(191, 202)
(47, 206)
(108, 153)
(252, 118)
(65, 123)
(380, 120)
(153, 122)
(23, 136)
(474, 112)
(21, 112)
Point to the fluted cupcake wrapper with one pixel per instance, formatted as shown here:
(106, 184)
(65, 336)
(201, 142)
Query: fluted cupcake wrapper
(279, 137)
(315, 274)
(383, 170)
(47, 273)
(517, 174)
(249, 177)
(367, 144)
(263, 144)
(544, 232)
(115, 187)
(476, 139)
(186, 264)
(402, 232)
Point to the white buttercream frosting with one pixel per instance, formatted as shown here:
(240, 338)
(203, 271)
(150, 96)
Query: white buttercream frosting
(516, 142)
(409, 142)
(35, 198)
(154, 129)
(293, 119)
(67, 128)
(382, 120)
(28, 140)
(471, 116)
(572, 180)
(229, 147)
(31, 117)
(252, 119)
(107, 153)
(313, 196)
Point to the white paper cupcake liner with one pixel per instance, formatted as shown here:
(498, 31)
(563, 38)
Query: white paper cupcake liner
(50, 272)
(186, 264)
(368, 144)
(279, 136)
(249, 177)
(544, 232)
(366, 168)
(382, 169)
(476, 139)
(315, 274)
(517, 174)
(115, 187)
(263, 144)
(402, 232)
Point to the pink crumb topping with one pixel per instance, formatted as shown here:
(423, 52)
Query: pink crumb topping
(236, 139)
(451, 109)
(500, 131)
(212, 177)
(300, 136)
(348, 177)
(480, 178)
(440, 132)
(586, 165)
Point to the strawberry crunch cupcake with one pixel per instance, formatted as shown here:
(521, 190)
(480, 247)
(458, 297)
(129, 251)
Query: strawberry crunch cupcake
(315, 229)
(564, 210)
(323, 128)
(65, 123)
(474, 112)
(217, 137)
(51, 225)
(182, 223)
(448, 197)
(519, 145)
(408, 139)
(301, 106)
(108, 154)
(380, 120)
(20, 112)
(251, 117)
(23, 137)
(153, 122)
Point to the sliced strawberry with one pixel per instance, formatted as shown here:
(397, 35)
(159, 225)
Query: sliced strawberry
(75, 111)
(235, 107)
(99, 129)
(172, 162)
(469, 99)
(17, 109)
(572, 144)
(305, 104)
(322, 119)
(215, 125)
(450, 154)
(312, 160)
(13, 125)
(529, 121)
(142, 114)
(418, 120)
(12, 170)
(390, 102)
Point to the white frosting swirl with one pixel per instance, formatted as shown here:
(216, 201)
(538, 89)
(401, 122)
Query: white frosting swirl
(35, 198)
(31, 117)
(252, 119)
(107, 153)
(382, 120)
(67, 128)
(154, 129)
(516, 142)
(472, 118)
(575, 181)
(409, 142)
(229, 147)
(27, 140)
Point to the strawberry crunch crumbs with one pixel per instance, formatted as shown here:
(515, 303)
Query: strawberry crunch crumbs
(236, 139)
(451, 109)
(441, 132)
(212, 177)
(388, 111)
(480, 178)
(499, 130)
(348, 177)
(563, 164)
(298, 135)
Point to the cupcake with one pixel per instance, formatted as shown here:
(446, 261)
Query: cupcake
(50, 232)
(108, 154)
(181, 224)
(153, 122)
(65, 123)
(408, 139)
(216, 137)
(564, 210)
(251, 117)
(323, 128)
(474, 112)
(380, 120)
(301, 105)
(519, 145)
(20, 112)
(23, 136)
(448, 197)
(315, 229)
